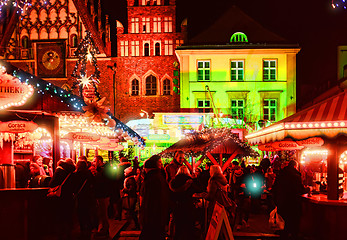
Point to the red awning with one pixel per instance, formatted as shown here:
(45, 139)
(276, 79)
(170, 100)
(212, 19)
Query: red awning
(327, 118)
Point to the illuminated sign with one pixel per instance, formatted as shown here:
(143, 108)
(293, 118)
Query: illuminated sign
(12, 91)
(83, 137)
(286, 145)
(311, 142)
(18, 126)
(158, 137)
(182, 120)
(267, 148)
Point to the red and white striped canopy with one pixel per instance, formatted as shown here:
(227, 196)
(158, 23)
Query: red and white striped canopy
(327, 118)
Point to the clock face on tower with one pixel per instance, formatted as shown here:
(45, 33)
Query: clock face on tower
(51, 59)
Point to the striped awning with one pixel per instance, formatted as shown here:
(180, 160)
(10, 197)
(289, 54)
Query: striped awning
(327, 118)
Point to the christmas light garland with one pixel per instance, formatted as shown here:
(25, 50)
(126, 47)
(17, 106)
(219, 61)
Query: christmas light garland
(339, 4)
(72, 101)
(20, 5)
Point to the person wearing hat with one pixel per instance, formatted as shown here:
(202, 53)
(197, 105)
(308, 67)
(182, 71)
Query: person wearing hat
(154, 208)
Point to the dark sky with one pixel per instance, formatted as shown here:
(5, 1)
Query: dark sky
(314, 25)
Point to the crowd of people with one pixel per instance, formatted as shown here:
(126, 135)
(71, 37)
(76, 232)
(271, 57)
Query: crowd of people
(166, 202)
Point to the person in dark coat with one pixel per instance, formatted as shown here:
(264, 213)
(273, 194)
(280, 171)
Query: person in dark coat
(154, 209)
(64, 204)
(287, 191)
(183, 187)
(172, 168)
(85, 196)
(129, 193)
(102, 194)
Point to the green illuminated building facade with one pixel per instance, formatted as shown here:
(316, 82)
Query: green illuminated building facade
(243, 75)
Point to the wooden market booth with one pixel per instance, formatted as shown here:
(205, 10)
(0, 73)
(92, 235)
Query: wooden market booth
(28, 103)
(215, 144)
(324, 122)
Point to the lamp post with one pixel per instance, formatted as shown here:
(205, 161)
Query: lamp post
(143, 112)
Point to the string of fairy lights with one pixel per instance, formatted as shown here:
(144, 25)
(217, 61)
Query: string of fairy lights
(20, 5)
(339, 4)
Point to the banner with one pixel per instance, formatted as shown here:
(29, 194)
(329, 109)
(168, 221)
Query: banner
(18, 126)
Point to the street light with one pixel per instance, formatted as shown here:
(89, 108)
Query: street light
(143, 112)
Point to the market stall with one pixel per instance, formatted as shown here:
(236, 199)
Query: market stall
(323, 126)
(219, 145)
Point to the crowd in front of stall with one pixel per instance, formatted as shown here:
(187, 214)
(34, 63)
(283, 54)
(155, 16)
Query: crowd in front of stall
(166, 202)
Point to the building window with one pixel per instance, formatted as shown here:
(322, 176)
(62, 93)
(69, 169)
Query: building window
(237, 108)
(203, 70)
(146, 25)
(124, 48)
(166, 87)
(134, 25)
(179, 42)
(167, 24)
(146, 49)
(151, 85)
(157, 25)
(166, 2)
(269, 70)
(73, 41)
(168, 46)
(25, 42)
(237, 70)
(135, 87)
(157, 49)
(135, 48)
(270, 109)
(204, 105)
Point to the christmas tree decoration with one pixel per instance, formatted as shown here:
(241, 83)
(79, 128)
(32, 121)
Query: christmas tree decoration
(86, 52)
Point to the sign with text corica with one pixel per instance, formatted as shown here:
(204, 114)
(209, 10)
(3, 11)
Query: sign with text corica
(83, 137)
(18, 126)
(12, 91)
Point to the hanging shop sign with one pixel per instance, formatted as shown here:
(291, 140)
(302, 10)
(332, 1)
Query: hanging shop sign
(18, 126)
(83, 137)
(267, 148)
(158, 137)
(12, 91)
(311, 142)
(286, 145)
(183, 119)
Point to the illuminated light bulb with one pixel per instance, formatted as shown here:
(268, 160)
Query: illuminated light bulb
(287, 126)
(310, 125)
(298, 125)
(322, 125)
(342, 124)
(316, 125)
(292, 126)
(336, 124)
(329, 124)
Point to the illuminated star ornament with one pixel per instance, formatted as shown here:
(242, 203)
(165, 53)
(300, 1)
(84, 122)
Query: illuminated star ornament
(339, 4)
(85, 81)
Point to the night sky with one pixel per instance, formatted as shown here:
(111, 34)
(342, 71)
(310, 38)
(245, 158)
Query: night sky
(314, 25)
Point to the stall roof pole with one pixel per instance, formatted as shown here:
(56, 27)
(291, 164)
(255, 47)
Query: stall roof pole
(212, 158)
(332, 164)
(227, 163)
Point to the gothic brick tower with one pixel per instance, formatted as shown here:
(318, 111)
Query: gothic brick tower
(145, 59)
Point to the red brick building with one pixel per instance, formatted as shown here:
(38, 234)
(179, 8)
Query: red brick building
(146, 57)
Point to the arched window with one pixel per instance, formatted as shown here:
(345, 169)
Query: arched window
(146, 49)
(136, 2)
(166, 87)
(135, 87)
(73, 41)
(151, 85)
(25, 42)
(157, 49)
(166, 2)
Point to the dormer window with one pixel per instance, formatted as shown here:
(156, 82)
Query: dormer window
(239, 37)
